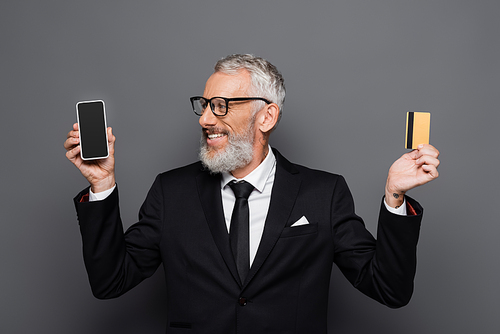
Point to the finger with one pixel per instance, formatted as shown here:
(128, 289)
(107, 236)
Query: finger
(73, 133)
(427, 160)
(413, 154)
(430, 147)
(111, 141)
(71, 142)
(111, 137)
(427, 153)
(431, 171)
(73, 154)
(427, 149)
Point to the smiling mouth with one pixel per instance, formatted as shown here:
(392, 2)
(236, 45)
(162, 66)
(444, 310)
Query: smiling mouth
(215, 135)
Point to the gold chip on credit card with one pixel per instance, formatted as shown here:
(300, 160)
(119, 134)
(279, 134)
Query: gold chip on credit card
(418, 128)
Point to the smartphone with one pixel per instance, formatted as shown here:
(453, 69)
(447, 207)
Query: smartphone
(91, 116)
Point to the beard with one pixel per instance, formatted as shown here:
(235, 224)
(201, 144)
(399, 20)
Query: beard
(237, 153)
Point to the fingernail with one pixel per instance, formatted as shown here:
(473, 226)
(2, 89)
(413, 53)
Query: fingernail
(421, 145)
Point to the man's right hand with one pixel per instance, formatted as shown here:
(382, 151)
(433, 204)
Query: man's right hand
(100, 173)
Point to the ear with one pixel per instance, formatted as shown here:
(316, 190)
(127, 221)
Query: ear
(268, 117)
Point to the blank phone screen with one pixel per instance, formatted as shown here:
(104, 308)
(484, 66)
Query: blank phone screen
(92, 126)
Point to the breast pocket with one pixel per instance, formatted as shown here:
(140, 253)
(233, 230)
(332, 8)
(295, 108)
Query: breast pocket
(297, 231)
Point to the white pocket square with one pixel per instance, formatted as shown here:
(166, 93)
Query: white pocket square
(301, 221)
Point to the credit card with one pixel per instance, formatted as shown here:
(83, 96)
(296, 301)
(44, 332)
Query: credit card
(418, 128)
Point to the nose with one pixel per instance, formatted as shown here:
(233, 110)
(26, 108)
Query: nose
(208, 118)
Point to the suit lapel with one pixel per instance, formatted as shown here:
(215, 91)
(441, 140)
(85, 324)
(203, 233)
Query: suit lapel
(211, 201)
(285, 190)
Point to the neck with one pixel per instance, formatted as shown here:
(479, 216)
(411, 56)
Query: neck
(260, 153)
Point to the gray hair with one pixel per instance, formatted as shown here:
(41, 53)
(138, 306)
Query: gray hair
(267, 81)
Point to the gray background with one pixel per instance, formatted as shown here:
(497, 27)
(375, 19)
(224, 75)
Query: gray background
(352, 68)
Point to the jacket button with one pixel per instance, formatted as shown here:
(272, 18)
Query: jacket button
(242, 301)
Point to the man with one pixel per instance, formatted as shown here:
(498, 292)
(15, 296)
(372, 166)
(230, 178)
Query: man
(272, 275)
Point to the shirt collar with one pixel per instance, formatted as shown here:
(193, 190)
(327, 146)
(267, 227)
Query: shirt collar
(258, 176)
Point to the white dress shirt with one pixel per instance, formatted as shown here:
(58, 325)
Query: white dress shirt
(262, 178)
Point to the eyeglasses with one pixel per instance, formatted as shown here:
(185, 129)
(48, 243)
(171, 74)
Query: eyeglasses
(218, 105)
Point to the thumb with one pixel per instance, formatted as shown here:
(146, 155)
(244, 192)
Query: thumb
(413, 154)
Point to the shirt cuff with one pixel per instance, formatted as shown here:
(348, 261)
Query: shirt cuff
(397, 211)
(101, 195)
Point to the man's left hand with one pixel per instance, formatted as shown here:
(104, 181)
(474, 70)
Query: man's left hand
(413, 169)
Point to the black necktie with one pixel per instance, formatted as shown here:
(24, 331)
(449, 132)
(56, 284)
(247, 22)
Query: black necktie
(239, 229)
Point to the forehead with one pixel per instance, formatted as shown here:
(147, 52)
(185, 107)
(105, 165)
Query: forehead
(228, 85)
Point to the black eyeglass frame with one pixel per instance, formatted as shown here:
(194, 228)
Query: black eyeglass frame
(226, 99)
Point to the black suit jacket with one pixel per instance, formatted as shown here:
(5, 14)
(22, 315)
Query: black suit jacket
(181, 225)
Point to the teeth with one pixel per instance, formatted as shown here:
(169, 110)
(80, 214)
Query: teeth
(215, 135)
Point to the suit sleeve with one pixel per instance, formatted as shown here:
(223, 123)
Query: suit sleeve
(383, 269)
(117, 261)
